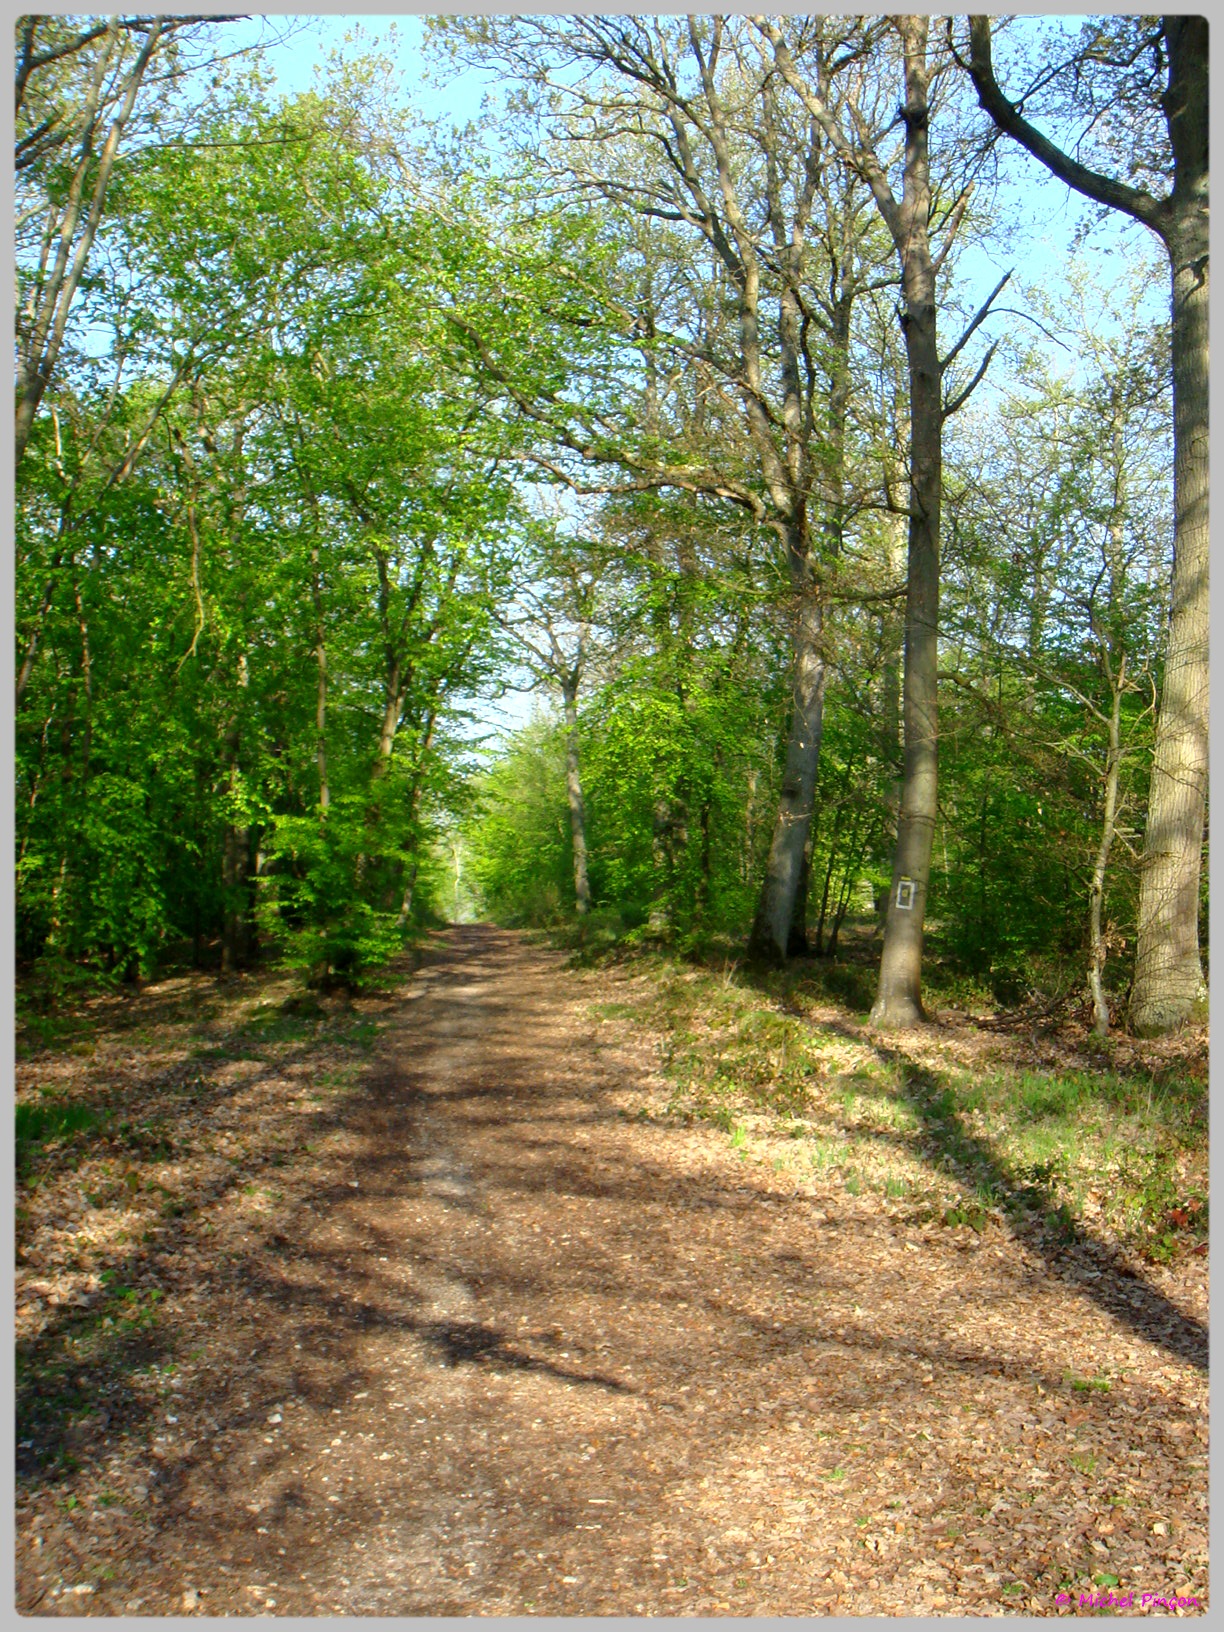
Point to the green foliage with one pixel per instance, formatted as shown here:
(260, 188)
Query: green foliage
(290, 501)
(518, 836)
(1059, 525)
(314, 909)
(42, 1123)
(676, 744)
(291, 586)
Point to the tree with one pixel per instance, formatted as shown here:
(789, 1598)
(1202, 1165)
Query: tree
(244, 713)
(1051, 641)
(515, 833)
(76, 90)
(910, 225)
(742, 290)
(551, 623)
(1168, 969)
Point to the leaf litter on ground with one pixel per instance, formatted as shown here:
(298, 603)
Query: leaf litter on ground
(639, 1367)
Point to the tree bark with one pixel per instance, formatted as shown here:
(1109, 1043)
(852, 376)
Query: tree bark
(839, 404)
(828, 885)
(1112, 663)
(898, 1001)
(1096, 891)
(771, 928)
(321, 685)
(899, 996)
(577, 807)
(797, 941)
(892, 640)
(1169, 986)
(393, 708)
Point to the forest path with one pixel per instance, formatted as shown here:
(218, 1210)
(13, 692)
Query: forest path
(521, 1349)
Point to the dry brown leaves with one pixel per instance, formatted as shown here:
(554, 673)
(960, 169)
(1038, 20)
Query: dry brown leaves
(477, 1336)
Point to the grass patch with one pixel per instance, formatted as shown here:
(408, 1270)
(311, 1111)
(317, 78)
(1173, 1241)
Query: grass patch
(1099, 1384)
(41, 1125)
(271, 1026)
(1086, 1143)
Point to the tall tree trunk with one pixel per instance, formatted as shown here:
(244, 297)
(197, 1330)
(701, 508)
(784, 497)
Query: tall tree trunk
(414, 805)
(1112, 663)
(393, 708)
(577, 807)
(1096, 891)
(834, 531)
(898, 1001)
(892, 636)
(321, 687)
(231, 926)
(899, 997)
(783, 871)
(668, 813)
(235, 850)
(1169, 983)
(41, 335)
(55, 923)
(1169, 986)
(797, 940)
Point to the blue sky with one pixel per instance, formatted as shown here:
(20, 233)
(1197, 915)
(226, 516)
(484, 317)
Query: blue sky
(397, 36)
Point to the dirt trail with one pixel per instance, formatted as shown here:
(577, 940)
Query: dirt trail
(525, 1352)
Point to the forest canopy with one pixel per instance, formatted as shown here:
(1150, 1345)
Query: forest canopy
(720, 386)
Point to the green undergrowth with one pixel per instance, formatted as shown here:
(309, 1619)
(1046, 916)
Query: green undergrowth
(62, 1007)
(51, 1121)
(944, 1127)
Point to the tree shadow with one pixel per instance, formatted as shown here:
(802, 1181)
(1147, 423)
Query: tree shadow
(1097, 1266)
(476, 1343)
(77, 1376)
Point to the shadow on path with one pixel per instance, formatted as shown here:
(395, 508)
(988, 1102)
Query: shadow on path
(1103, 1274)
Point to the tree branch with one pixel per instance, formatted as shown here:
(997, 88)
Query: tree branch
(979, 316)
(1132, 201)
(962, 397)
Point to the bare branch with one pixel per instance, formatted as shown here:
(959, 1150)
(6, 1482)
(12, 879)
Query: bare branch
(962, 397)
(979, 316)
